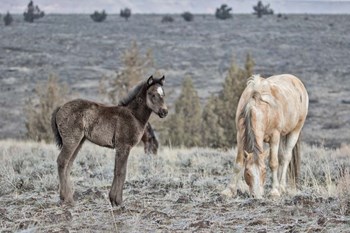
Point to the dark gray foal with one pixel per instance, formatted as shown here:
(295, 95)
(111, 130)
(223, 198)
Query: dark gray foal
(119, 127)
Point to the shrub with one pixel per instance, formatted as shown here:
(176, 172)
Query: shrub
(33, 13)
(99, 17)
(212, 133)
(134, 69)
(184, 126)
(38, 111)
(8, 19)
(187, 16)
(223, 12)
(234, 85)
(261, 10)
(167, 19)
(125, 13)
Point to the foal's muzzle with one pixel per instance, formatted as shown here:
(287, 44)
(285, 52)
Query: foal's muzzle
(163, 112)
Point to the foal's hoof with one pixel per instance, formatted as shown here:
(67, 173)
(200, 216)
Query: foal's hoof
(228, 192)
(67, 202)
(115, 202)
(275, 193)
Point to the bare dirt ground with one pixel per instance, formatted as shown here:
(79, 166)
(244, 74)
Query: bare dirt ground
(81, 52)
(177, 191)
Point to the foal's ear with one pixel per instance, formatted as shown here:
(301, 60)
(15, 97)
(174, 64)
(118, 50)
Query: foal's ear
(150, 81)
(161, 80)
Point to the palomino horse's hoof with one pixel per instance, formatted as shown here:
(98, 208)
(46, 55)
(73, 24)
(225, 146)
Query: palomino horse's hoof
(228, 193)
(274, 193)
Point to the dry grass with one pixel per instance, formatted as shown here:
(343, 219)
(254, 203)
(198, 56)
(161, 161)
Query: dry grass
(175, 191)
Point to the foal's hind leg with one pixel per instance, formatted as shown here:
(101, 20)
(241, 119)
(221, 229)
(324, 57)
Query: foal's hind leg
(64, 163)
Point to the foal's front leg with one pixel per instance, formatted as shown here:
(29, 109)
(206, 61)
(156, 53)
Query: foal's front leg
(121, 159)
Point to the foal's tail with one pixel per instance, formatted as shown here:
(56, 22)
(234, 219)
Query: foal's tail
(55, 131)
(294, 165)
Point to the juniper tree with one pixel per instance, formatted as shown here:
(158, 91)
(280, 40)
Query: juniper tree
(261, 9)
(187, 16)
(184, 126)
(224, 12)
(125, 13)
(38, 110)
(212, 133)
(8, 19)
(233, 87)
(135, 66)
(99, 17)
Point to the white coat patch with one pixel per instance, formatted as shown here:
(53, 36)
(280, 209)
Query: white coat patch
(160, 91)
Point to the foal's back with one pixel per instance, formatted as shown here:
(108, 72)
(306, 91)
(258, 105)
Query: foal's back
(98, 123)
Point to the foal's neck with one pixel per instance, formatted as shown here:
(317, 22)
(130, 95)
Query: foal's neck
(140, 110)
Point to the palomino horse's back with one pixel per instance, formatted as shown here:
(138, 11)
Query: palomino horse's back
(285, 95)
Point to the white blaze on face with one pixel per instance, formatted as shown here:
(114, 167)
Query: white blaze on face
(160, 91)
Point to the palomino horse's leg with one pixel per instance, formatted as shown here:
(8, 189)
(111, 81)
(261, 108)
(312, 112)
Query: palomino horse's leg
(121, 159)
(68, 151)
(292, 139)
(274, 145)
(231, 189)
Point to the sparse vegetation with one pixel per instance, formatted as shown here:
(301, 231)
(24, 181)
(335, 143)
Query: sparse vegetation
(187, 16)
(177, 191)
(8, 19)
(125, 13)
(99, 16)
(32, 13)
(224, 12)
(167, 19)
(260, 9)
(38, 110)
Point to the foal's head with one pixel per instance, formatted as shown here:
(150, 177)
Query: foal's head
(255, 173)
(155, 96)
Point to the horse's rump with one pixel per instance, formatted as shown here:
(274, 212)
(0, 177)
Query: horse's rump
(55, 131)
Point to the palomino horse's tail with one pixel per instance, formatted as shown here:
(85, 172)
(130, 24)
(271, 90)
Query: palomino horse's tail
(58, 137)
(294, 165)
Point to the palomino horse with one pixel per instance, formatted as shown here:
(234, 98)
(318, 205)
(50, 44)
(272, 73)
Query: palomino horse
(271, 110)
(119, 127)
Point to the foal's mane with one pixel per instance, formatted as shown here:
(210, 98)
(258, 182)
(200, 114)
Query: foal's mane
(132, 94)
(136, 90)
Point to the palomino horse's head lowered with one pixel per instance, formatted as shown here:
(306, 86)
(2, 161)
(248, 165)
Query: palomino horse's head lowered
(255, 173)
(155, 96)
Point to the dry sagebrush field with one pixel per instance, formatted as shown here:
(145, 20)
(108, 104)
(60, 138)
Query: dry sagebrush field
(176, 191)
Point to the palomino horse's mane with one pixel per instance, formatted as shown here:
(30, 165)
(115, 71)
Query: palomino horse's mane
(249, 139)
(132, 94)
